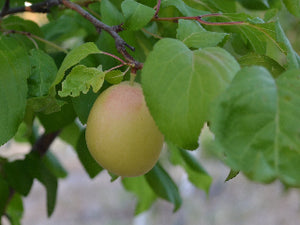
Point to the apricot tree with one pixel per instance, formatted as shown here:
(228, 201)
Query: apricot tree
(224, 63)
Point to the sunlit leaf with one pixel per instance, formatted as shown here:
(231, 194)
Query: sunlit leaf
(180, 85)
(80, 79)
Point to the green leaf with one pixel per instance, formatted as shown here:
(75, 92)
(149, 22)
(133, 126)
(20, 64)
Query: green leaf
(256, 125)
(80, 79)
(213, 6)
(260, 35)
(142, 190)
(39, 171)
(86, 159)
(110, 15)
(83, 104)
(4, 194)
(293, 59)
(78, 30)
(232, 174)
(15, 68)
(46, 104)
(114, 76)
(70, 134)
(206, 141)
(255, 4)
(163, 185)
(261, 60)
(74, 57)
(136, 15)
(19, 24)
(180, 86)
(43, 72)
(196, 173)
(293, 6)
(194, 35)
(183, 8)
(18, 176)
(15, 209)
(56, 121)
(54, 165)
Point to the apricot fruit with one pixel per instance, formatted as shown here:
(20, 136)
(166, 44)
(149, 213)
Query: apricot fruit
(121, 134)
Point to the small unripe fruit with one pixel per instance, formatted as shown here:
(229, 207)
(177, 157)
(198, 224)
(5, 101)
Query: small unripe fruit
(121, 134)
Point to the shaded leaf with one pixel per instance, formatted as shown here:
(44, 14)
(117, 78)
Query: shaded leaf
(39, 171)
(15, 209)
(136, 15)
(19, 24)
(194, 36)
(293, 6)
(56, 121)
(163, 185)
(178, 90)
(261, 60)
(255, 30)
(43, 72)
(46, 104)
(213, 6)
(183, 8)
(4, 194)
(256, 125)
(232, 174)
(142, 190)
(196, 173)
(70, 134)
(110, 15)
(293, 59)
(83, 104)
(13, 86)
(54, 165)
(18, 176)
(86, 159)
(255, 4)
(114, 76)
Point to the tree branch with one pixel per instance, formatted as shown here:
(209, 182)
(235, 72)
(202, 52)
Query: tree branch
(112, 30)
(41, 7)
(44, 7)
(157, 8)
(43, 143)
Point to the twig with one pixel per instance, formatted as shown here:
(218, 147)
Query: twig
(200, 20)
(43, 143)
(41, 7)
(115, 67)
(157, 8)
(112, 30)
(152, 34)
(31, 36)
(116, 57)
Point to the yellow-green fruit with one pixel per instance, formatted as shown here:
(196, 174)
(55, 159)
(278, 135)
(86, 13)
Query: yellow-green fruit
(121, 135)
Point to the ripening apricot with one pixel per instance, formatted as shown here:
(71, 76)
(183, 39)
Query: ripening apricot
(121, 134)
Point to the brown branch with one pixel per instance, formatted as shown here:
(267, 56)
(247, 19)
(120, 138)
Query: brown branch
(41, 7)
(112, 30)
(199, 19)
(157, 8)
(43, 143)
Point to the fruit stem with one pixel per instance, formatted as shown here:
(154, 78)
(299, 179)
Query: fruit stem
(132, 78)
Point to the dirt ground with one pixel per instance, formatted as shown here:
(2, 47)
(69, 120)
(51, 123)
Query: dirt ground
(81, 200)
